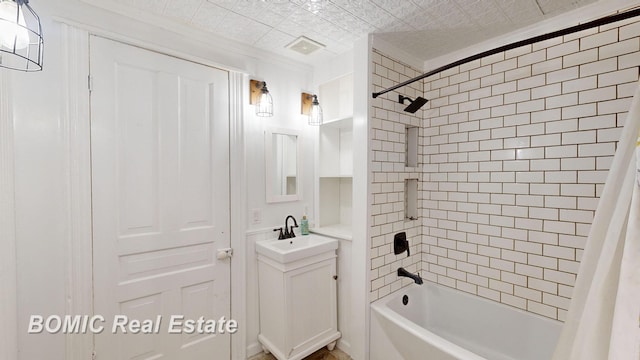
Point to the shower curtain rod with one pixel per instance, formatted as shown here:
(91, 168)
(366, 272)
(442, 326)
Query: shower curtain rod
(588, 25)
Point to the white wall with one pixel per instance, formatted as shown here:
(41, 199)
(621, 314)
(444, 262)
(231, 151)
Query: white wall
(517, 148)
(8, 305)
(341, 65)
(42, 170)
(351, 264)
(285, 89)
(41, 193)
(360, 246)
(388, 153)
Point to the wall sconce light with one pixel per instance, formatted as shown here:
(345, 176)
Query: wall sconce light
(311, 108)
(21, 41)
(261, 98)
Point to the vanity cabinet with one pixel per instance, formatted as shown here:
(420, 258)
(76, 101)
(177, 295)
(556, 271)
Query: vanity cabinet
(298, 304)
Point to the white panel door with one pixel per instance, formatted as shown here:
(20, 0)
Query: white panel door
(160, 168)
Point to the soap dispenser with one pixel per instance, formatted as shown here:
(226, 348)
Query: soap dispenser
(304, 225)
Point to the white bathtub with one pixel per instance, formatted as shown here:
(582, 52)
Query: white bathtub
(440, 323)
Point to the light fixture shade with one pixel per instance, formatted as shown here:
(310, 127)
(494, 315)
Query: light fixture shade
(315, 116)
(264, 107)
(21, 43)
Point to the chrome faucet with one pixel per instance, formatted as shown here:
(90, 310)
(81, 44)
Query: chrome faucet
(416, 277)
(288, 231)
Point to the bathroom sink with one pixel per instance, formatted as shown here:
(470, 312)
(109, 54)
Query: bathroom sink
(288, 250)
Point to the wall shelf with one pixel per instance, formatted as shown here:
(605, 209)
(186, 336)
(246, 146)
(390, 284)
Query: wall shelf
(336, 168)
(335, 159)
(337, 122)
(337, 231)
(336, 149)
(411, 150)
(411, 199)
(336, 98)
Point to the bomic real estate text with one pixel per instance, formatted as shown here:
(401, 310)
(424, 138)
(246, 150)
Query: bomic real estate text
(122, 324)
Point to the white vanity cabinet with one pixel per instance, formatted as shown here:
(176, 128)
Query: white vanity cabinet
(298, 303)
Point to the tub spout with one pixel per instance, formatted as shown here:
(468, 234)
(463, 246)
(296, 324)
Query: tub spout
(416, 277)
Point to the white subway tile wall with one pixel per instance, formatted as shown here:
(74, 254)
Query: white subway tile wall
(388, 154)
(515, 150)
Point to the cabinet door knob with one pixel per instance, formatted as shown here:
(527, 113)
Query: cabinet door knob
(335, 277)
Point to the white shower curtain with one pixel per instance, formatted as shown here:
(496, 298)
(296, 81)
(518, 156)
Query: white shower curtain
(603, 321)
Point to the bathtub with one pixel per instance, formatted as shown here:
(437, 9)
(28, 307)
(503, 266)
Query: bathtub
(440, 323)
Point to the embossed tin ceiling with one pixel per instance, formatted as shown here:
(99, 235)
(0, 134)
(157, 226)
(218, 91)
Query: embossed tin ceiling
(422, 28)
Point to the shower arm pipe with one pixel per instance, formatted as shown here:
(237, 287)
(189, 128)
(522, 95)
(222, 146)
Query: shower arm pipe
(588, 25)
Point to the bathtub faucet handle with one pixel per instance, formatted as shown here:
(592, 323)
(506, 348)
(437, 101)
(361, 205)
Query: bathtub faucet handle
(401, 244)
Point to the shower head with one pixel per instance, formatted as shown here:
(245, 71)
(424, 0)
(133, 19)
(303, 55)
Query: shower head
(415, 104)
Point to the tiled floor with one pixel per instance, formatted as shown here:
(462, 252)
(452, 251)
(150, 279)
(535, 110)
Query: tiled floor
(322, 354)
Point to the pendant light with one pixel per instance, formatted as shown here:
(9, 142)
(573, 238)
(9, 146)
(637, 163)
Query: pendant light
(311, 108)
(261, 98)
(21, 42)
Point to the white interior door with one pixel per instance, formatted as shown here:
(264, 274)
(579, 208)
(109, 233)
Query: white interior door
(160, 168)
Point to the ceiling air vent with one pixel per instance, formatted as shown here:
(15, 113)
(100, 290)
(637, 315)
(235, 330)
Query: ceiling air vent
(304, 45)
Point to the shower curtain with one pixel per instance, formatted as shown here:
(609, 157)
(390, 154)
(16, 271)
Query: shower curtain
(603, 321)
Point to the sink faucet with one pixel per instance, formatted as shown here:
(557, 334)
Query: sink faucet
(281, 235)
(416, 277)
(288, 231)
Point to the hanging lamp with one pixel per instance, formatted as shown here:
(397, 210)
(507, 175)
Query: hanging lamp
(21, 43)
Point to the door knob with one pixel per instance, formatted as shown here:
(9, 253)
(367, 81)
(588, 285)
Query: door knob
(226, 253)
